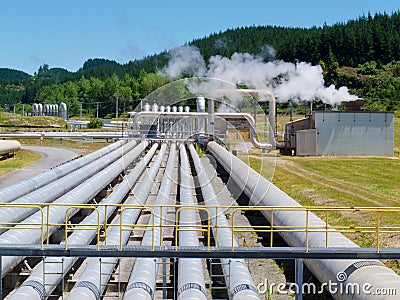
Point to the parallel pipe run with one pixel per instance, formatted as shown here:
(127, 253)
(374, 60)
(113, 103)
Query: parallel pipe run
(237, 276)
(142, 282)
(57, 188)
(190, 270)
(93, 280)
(46, 276)
(28, 185)
(264, 193)
(79, 195)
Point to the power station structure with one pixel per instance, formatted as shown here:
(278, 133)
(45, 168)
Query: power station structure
(145, 218)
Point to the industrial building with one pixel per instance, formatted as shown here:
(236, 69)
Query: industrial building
(342, 133)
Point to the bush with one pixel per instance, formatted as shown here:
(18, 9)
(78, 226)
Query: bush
(95, 123)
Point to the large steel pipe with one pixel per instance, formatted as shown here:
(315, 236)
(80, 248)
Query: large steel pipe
(46, 276)
(142, 282)
(237, 275)
(190, 270)
(9, 147)
(28, 185)
(59, 187)
(92, 282)
(83, 193)
(264, 193)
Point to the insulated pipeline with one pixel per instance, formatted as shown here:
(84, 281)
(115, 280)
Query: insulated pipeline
(142, 282)
(28, 185)
(262, 192)
(59, 187)
(190, 270)
(44, 279)
(237, 276)
(83, 193)
(92, 282)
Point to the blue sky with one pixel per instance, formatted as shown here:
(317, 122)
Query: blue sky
(67, 33)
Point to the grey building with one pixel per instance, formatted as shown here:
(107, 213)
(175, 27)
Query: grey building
(342, 133)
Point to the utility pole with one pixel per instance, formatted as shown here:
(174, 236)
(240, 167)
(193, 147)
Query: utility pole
(116, 109)
(97, 110)
(80, 111)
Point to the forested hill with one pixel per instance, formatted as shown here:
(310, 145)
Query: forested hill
(369, 38)
(362, 54)
(12, 76)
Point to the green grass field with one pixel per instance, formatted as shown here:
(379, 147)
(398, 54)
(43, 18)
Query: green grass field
(344, 181)
(23, 159)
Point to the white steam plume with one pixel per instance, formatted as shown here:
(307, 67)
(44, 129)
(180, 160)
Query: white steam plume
(185, 59)
(286, 81)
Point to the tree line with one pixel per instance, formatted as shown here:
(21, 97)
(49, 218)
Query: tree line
(362, 54)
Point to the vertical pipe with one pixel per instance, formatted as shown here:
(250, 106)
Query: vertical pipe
(271, 119)
(211, 117)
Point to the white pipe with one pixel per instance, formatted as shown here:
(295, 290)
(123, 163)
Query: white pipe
(57, 188)
(48, 273)
(79, 195)
(142, 282)
(190, 270)
(91, 283)
(237, 276)
(262, 192)
(253, 138)
(9, 147)
(28, 185)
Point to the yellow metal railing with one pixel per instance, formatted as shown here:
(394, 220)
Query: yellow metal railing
(194, 227)
(370, 225)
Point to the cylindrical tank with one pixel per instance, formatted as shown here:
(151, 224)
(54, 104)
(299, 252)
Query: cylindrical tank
(146, 107)
(180, 109)
(187, 109)
(8, 147)
(162, 108)
(63, 110)
(174, 109)
(201, 104)
(40, 109)
(154, 107)
(168, 109)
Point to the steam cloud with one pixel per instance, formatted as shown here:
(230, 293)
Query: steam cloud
(287, 81)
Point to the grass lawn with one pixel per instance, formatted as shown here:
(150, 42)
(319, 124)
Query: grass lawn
(23, 159)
